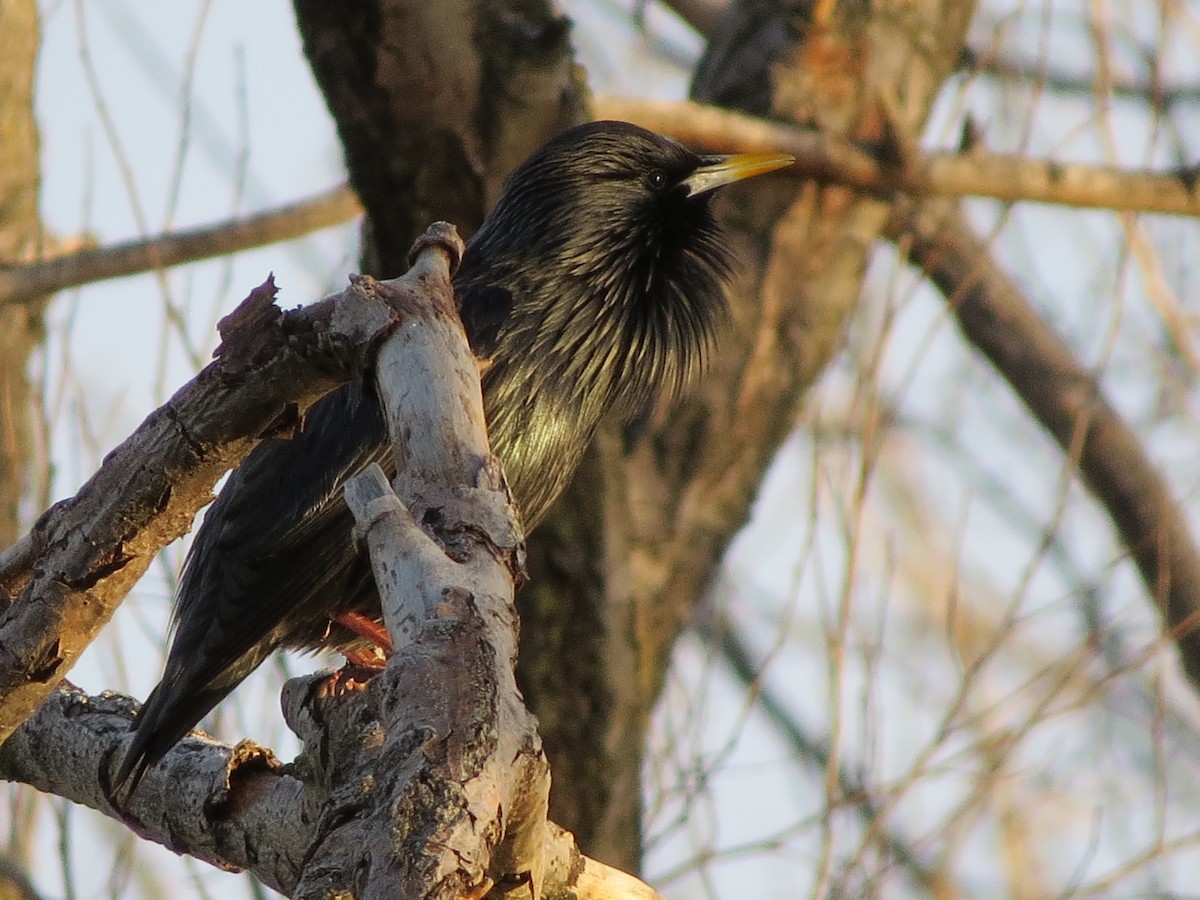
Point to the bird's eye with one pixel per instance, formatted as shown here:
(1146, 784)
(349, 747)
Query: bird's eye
(657, 179)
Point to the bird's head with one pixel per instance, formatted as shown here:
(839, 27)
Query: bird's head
(615, 259)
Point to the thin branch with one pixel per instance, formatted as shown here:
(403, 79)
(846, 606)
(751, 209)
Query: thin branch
(21, 284)
(1059, 80)
(1002, 177)
(994, 315)
(702, 15)
(720, 634)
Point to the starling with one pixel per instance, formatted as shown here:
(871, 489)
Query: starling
(593, 286)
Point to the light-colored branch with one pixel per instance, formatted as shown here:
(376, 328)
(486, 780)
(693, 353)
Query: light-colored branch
(464, 807)
(572, 876)
(21, 284)
(431, 781)
(232, 807)
(994, 315)
(976, 173)
(469, 800)
(92, 548)
(69, 747)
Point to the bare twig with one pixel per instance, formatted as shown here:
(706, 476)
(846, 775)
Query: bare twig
(992, 312)
(21, 284)
(721, 635)
(1055, 78)
(1009, 178)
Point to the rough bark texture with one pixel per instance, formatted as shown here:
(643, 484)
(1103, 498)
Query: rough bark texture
(235, 807)
(615, 573)
(431, 782)
(21, 467)
(453, 799)
(435, 103)
(433, 136)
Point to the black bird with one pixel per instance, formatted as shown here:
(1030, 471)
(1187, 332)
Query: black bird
(593, 285)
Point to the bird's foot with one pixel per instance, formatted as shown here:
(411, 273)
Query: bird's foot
(366, 658)
(347, 680)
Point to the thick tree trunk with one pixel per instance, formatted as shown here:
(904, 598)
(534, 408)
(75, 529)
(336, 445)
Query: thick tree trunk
(427, 135)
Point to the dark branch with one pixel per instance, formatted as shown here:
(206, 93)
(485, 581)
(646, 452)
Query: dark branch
(721, 635)
(995, 317)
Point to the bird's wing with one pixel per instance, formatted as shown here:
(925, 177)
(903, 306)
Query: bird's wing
(284, 529)
(485, 308)
(272, 543)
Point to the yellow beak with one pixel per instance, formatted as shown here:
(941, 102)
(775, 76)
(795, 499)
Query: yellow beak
(718, 171)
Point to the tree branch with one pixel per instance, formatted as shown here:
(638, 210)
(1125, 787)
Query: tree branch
(994, 316)
(429, 782)
(980, 174)
(454, 798)
(233, 807)
(21, 284)
(92, 548)
(1053, 76)
(1008, 178)
(720, 635)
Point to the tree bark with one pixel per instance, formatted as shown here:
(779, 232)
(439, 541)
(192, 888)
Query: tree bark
(92, 548)
(430, 781)
(431, 135)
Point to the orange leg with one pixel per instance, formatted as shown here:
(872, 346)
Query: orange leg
(369, 630)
